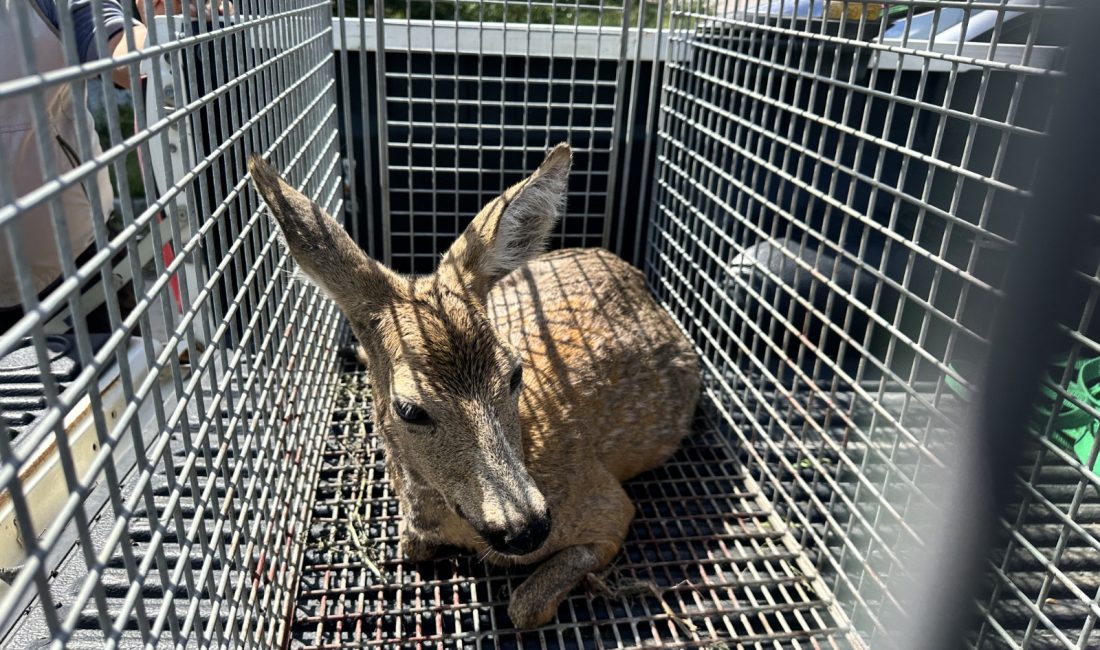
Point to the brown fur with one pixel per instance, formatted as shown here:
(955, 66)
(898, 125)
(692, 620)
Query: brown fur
(609, 381)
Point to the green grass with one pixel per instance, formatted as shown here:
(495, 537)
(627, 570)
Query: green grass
(512, 12)
(133, 169)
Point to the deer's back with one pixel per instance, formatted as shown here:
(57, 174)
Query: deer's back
(607, 374)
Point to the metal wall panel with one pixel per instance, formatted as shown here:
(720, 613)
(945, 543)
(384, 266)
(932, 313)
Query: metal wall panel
(160, 403)
(826, 202)
(467, 99)
(837, 201)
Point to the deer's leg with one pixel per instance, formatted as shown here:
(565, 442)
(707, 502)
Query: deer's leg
(419, 540)
(416, 546)
(607, 518)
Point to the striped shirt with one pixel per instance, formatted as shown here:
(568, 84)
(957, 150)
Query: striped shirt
(84, 25)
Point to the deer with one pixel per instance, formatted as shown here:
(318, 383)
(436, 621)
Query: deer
(514, 390)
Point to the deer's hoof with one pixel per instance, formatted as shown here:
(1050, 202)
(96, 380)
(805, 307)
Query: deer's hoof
(529, 611)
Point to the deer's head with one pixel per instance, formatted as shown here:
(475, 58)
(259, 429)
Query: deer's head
(445, 386)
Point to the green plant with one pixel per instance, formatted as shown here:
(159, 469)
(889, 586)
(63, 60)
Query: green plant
(609, 13)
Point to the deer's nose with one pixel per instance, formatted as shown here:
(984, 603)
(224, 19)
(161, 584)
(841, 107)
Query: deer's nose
(527, 540)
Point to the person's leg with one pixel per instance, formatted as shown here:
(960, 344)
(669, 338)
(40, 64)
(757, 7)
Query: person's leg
(98, 319)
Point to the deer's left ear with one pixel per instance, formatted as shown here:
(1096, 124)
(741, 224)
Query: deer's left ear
(322, 248)
(511, 229)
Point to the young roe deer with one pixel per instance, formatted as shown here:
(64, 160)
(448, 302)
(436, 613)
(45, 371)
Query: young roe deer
(514, 391)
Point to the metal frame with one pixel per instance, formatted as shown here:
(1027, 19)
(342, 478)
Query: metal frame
(780, 157)
(827, 213)
(493, 112)
(189, 452)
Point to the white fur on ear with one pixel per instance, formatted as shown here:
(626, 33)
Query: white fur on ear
(526, 224)
(510, 229)
(531, 214)
(322, 248)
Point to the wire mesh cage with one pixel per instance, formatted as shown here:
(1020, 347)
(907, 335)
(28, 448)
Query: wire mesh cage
(155, 485)
(825, 195)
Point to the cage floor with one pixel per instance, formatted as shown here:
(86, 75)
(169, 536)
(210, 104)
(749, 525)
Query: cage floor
(189, 600)
(1041, 590)
(725, 571)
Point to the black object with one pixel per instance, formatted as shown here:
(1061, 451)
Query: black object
(781, 259)
(22, 391)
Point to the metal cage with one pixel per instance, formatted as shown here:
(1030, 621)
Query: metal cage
(825, 194)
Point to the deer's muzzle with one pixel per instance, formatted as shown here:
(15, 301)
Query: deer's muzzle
(527, 539)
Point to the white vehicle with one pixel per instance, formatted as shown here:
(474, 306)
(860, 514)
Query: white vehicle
(968, 33)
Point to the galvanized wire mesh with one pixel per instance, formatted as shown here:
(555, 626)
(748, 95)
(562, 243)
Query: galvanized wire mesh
(826, 202)
(160, 402)
(469, 96)
(836, 202)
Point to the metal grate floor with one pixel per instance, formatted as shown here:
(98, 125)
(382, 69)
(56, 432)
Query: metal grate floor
(1045, 552)
(1023, 614)
(209, 515)
(724, 565)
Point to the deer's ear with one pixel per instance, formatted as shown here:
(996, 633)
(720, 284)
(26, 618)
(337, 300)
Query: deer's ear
(512, 228)
(322, 247)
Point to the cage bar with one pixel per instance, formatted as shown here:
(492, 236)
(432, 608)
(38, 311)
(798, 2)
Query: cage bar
(825, 195)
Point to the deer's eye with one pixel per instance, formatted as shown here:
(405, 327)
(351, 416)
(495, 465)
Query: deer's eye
(410, 413)
(516, 379)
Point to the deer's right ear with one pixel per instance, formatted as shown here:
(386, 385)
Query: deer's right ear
(511, 229)
(322, 247)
